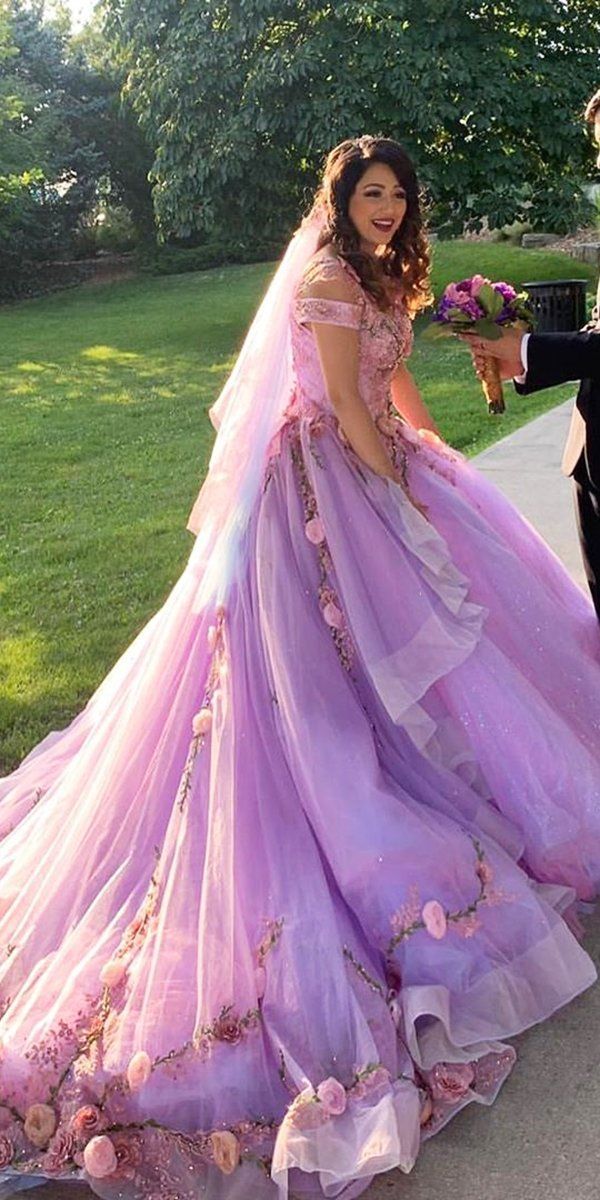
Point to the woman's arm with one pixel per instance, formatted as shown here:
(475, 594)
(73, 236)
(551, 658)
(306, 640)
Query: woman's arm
(409, 402)
(338, 352)
(338, 348)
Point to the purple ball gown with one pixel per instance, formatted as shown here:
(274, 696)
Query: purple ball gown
(273, 902)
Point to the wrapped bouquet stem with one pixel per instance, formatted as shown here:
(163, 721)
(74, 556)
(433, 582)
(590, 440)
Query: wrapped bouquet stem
(492, 385)
(478, 306)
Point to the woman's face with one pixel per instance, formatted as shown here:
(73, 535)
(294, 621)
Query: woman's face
(377, 206)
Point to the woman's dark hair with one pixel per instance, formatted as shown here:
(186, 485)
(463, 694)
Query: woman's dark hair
(592, 107)
(406, 258)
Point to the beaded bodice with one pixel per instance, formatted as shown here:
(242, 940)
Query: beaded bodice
(385, 338)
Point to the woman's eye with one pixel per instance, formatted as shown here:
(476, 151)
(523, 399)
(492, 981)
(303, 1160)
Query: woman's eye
(377, 195)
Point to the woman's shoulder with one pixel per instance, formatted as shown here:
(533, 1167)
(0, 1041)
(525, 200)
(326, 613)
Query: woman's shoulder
(328, 277)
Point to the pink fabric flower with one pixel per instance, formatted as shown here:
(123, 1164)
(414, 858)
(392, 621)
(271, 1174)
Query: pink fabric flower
(333, 616)
(99, 1158)
(112, 972)
(139, 1070)
(60, 1150)
(332, 1095)
(314, 531)
(40, 1123)
(211, 637)
(128, 1153)
(358, 1091)
(88, 1119)
(484, 872)
(228, 1029)
(306, 1112)
(226, 1150)
(7, 1151)
(451, 1081)
(378, 1078)
(434, 919)
(202, 722)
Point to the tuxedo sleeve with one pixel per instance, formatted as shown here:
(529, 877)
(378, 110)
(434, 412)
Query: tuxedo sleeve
(554, 358)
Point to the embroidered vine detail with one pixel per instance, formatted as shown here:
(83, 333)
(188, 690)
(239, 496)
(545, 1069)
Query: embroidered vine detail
(202, 721)
(268, 475)
(413, 916)
(364, 974)
(227, 1027)
(283, 1075)
(46, 1141)
(37, 796)
(269, 940)
(391, 430)
(114, 972)
(82, 1040)
(329, 602)
(273, 933)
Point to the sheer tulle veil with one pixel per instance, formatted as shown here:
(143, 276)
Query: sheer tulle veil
(247, 415)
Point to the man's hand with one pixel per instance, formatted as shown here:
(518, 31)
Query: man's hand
(505, 349)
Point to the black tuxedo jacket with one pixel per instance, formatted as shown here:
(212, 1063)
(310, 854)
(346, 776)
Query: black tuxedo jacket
(554, 358)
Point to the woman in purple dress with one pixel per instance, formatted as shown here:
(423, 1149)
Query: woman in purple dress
(273, 902)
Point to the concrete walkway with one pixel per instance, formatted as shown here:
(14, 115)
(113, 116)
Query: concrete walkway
(541, 1140)
(526, 467)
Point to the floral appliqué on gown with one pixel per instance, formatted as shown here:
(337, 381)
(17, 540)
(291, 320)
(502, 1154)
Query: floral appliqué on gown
(272, 903)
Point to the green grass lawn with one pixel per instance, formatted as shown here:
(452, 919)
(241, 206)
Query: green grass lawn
(105, 437)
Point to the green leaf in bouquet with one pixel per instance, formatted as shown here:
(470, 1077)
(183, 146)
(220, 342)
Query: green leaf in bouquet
(487, 329)
(490, 300)
(437, 330)
(457, 317)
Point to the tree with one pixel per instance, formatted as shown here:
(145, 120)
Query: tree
(114, 126)
(242, 99)
(66, 137)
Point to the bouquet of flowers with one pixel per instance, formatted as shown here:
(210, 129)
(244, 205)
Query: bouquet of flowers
(479, 306)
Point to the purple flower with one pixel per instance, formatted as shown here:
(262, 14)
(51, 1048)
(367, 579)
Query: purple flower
(506, 291)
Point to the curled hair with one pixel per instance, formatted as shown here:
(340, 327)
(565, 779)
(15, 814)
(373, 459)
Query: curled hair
(406, 259)
(592, 108)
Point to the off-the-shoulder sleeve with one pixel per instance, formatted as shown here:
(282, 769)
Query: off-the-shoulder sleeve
(324, 310)
(327, 312)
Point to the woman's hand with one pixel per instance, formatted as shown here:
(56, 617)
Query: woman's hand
(421, 508)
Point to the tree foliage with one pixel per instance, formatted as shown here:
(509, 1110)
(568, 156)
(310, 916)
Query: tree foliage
(66, 136)
(242, 99)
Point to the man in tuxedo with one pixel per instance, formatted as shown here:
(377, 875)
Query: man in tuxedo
(541, 360)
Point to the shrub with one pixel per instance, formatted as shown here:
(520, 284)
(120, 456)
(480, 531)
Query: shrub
(174, 260)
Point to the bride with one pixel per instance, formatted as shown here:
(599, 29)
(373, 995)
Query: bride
(274, 901)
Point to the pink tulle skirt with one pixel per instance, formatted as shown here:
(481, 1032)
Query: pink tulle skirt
(273, 903)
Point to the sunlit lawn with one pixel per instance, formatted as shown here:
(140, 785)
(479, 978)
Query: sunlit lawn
(105, 438)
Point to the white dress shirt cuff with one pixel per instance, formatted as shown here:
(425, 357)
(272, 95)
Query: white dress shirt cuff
(524, 359)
